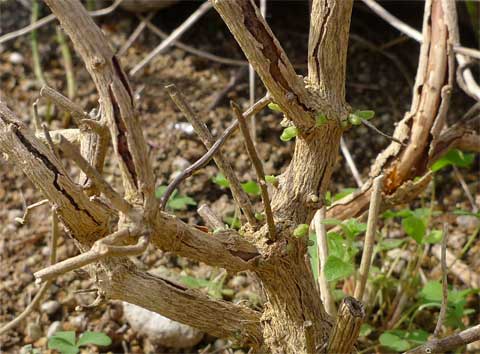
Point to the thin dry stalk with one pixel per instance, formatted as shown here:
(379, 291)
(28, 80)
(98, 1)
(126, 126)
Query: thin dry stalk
(465, 188)
(64, 103)
(350, 162)
(374, 209)
(69, 72)
(26, 214)
(136, 33)
(443, 308)
(212, 220)
(37, 65)
(240, 196)
(257, 164)
(177, 33)
(322, 246)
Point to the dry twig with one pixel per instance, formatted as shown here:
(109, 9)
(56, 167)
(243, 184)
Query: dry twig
(443, 261)
(257, 164)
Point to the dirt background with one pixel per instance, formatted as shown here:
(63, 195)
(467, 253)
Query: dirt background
(381, 70)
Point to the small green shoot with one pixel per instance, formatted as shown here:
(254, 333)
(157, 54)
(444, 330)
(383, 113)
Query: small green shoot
(221, 181)
(251, 187)
(356, 117)
(301, 230)
(289, 133)
(271, 179)
(65, 342)
(274, 107)
(320, 120)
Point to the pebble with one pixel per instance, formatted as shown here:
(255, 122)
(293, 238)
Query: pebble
(54, 328)
(16, 58)
(34, 331)
(161, 330)
(50, 307)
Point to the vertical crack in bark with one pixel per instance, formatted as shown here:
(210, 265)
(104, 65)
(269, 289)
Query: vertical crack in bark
(122, 142)
(123, 77)
(269, 50)
(52, 168)
(320, 37)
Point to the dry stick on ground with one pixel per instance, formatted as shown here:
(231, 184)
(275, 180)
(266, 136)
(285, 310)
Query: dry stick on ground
(240, 196)
(203, 161)
(136, 33)
(192, 50)
(177, 33)
(369, 243)
(47, 19)
(44, 288)
(443, 261)
(257, 164)
(449, 343)
(322, 249)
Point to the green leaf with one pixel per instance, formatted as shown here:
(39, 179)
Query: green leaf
(328, 198)
(181, 203)
(233, 222)
(414, 227)
(274, 107)
(68, 336)
(95, 338)
(220, 180)
(193, 282)
(320, 120)
(343, 193)
(160, 191)
(353, 227)
(391, 341)
(453, 157)
(64, 342)
(301, 230)
(336, 269)
(259, 216)
(251, 187)
(271, 179)
(432, 292)
(365, 114)
(417, 336)
(365, 330)
(354, 119)
(328, 221)
(336, 245)
(289, 133)
(389, 244)
(434, 237)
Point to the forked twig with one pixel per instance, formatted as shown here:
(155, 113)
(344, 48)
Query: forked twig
(205, 159)
(443, 261)
(257, 164)
(374, 209)
(100, 250)
(177, 33)
(208, 140)
(26, 214)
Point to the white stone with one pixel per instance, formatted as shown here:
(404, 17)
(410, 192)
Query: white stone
(16, 58)
(160, 330)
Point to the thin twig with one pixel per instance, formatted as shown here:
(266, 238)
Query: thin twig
(322, 247)
(205, 159)
(350, 163)
(257, 164)
(36, 119)
(443, 261)
(69, 72)
(177, 33)
(371, 126)
(116, 199)
(37, 65)
(135, 34)
(210, 218)
(470, 52)
(50, 143)
(26, 214)
(47, 19)
(64, 103)
(465, 188)
(44, 288)
(217, 97)
(446, 344)
(240, 196)
(100, 250)
(374, 209)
